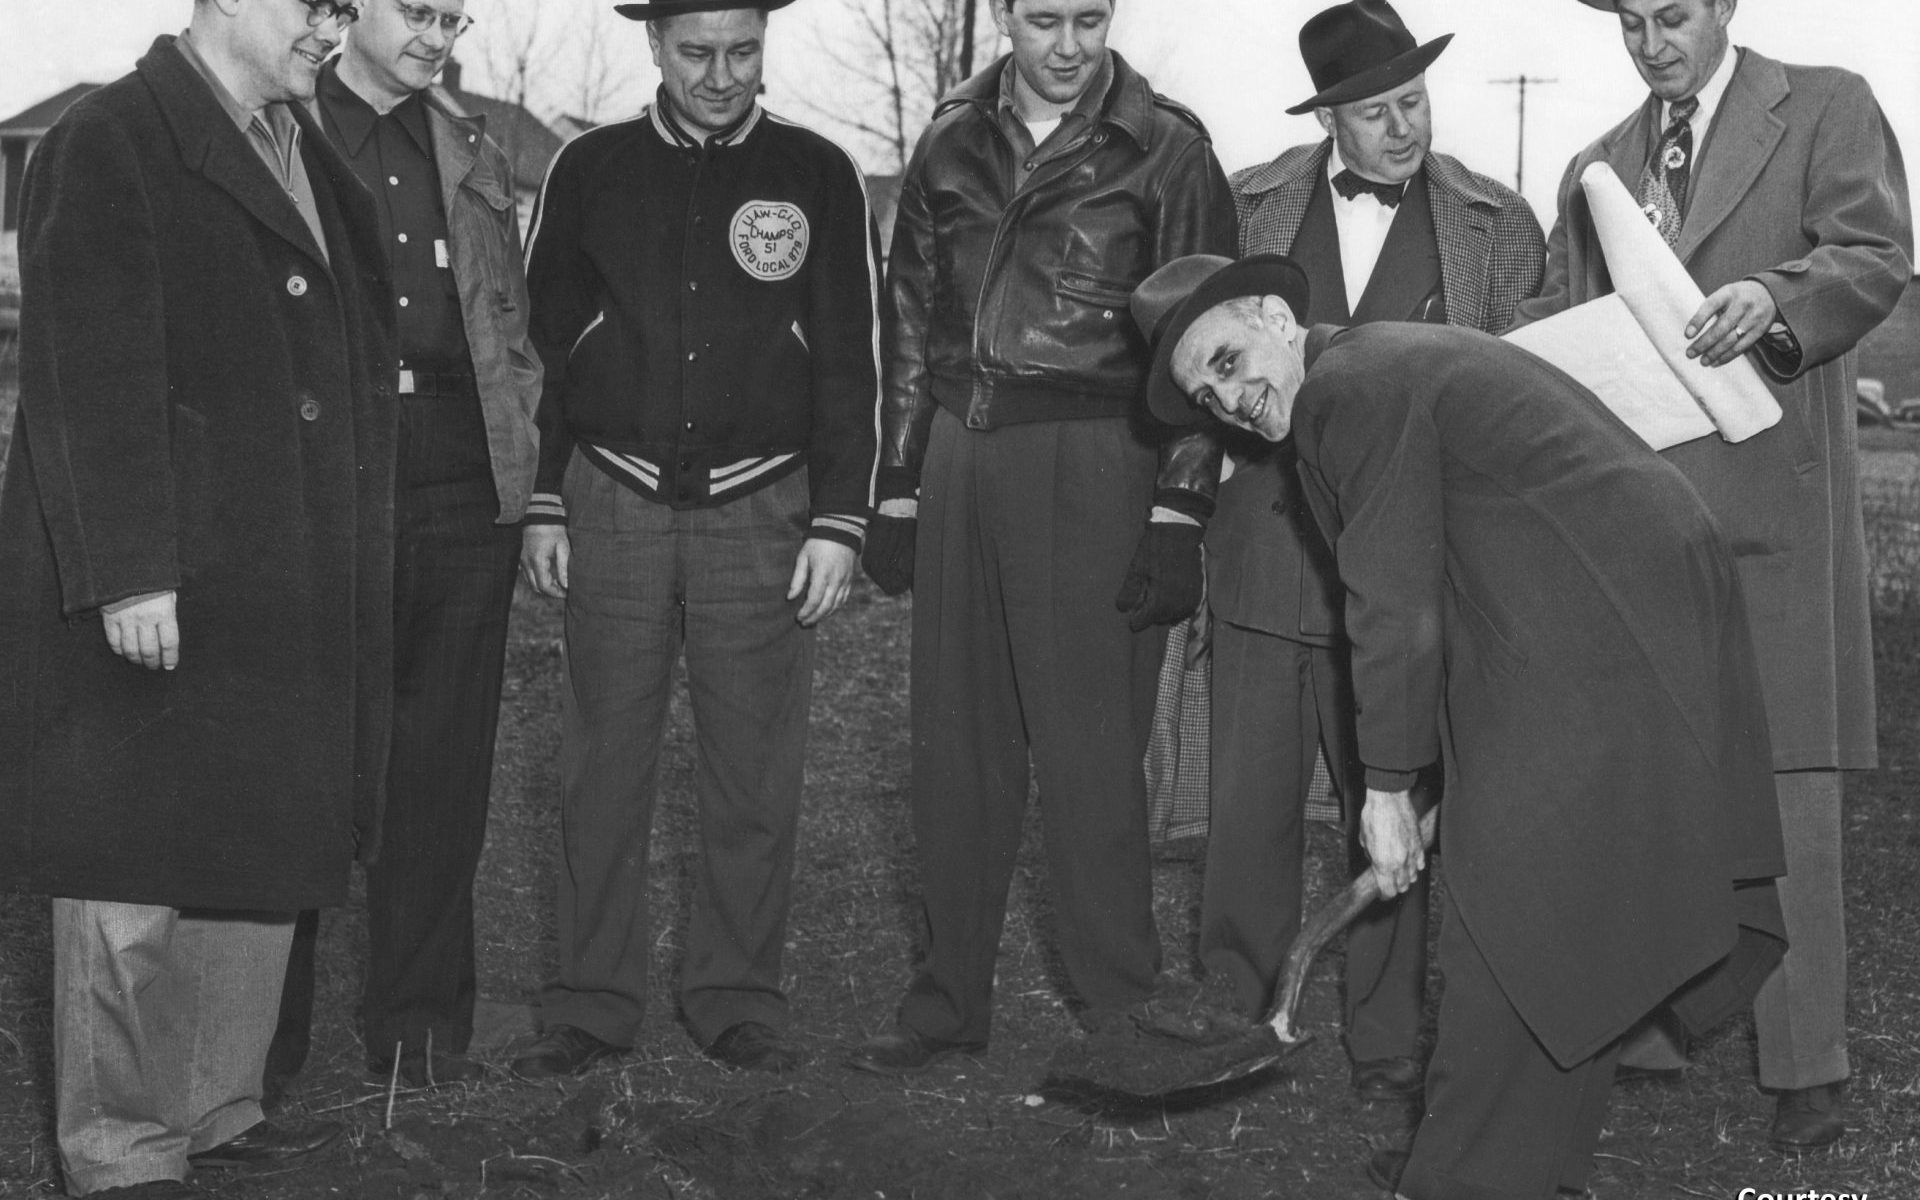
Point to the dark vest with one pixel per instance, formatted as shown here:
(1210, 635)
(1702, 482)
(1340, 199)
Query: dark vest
(1268, 566)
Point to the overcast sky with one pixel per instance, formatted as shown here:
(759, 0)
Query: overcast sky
(1236, 62)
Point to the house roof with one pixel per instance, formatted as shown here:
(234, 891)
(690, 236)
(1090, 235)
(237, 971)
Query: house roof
(37, 118)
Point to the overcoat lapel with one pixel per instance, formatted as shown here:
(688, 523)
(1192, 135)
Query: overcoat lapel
(210, 144)
(1464, 231)
(1744, 136)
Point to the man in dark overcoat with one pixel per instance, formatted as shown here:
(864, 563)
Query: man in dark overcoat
(1787, 202)
(1538, 601)
(195, 549)
(1386, 230)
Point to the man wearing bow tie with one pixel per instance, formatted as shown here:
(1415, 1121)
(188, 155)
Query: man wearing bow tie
(1781, 188)
(1386, 231)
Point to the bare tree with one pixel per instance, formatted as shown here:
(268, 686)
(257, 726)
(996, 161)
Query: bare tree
(599, 78)
(903, 56)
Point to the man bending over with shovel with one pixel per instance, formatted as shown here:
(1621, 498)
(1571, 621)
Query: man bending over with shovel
(1541, 603)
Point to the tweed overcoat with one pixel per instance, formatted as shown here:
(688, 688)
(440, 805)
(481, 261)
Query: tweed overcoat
(1800, 186)
(206, 406)
(1536, 599)
(1267, 568)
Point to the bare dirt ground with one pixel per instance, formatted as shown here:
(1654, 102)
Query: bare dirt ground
(665, 1122)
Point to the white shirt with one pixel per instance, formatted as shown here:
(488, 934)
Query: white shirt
(1362, 224)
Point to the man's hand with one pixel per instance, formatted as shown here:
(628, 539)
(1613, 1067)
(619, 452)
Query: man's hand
(1390, 832)
(888, 555)
(1165, 581)
(824, 571)
(1730, 321)
(145, 633)
(544, 553)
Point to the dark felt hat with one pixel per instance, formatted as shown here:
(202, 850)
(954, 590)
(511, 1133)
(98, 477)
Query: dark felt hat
(657, 9)
(1602, 5)
(1174, 297)
(1360, 49)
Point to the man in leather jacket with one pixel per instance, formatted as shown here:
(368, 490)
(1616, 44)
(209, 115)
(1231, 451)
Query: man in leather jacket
(1046, 187)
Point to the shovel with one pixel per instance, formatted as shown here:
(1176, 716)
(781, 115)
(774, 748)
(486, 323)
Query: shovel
(1155, 1060)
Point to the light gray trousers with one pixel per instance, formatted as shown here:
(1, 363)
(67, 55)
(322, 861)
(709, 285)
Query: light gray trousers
(161, 1022)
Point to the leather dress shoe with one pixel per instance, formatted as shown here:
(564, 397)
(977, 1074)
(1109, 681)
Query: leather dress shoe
(903, 1051)
(266, 1143)
(431, 1070)
(563, 1050)
(754, 1046)
(1807, 1119)
(1387, 1079)
(152, 1189)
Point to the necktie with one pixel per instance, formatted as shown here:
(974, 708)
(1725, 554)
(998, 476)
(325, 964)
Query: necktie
(1663, 183)
(1351, 185)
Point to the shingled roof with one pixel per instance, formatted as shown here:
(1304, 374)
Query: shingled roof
(36, 119)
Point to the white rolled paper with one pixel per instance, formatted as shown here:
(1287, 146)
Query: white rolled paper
(1656, 288)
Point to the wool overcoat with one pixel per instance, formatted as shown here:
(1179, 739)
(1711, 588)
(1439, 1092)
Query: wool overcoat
(206, 406)
(1800, 186)
(1538, 600)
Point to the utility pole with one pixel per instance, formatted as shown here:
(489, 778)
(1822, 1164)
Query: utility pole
(1520, 159)
(966, 39)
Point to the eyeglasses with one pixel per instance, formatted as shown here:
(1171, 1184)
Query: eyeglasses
(319, 11)
(422, 17)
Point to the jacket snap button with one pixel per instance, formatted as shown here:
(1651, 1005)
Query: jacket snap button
(296, 286)
(1107, 314)
(309, 410)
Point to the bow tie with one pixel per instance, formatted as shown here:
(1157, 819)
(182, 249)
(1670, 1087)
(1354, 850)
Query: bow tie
(1351, 185)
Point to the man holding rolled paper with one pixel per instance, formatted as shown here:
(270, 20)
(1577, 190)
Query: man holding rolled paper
(1539, 602)
(1782, 191)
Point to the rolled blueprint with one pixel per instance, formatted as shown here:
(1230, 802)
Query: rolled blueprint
(1630, 348)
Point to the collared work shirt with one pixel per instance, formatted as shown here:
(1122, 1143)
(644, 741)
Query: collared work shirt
(392, 154)
(1072, 125)
(274, 136)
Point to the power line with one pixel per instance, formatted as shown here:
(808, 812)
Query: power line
(1520, 158)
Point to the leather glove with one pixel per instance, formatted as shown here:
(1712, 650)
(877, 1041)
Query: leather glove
(1164, 581)
(888, 554)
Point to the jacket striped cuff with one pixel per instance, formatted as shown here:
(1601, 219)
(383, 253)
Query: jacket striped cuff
(546, 509)
(838, 527)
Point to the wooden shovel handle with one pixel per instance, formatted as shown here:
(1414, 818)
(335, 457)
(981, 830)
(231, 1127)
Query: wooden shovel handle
(1331, 918)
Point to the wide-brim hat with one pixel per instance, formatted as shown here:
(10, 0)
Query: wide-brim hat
(657, 9)
(1603, 5)
(1171, 299)
(1360, 49)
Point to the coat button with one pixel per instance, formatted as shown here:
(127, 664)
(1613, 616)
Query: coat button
(976, 421)
(310, 409)
(692, 354)
(296, 285)
(1106, 315)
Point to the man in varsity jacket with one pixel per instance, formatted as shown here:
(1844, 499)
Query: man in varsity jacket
(703, 281)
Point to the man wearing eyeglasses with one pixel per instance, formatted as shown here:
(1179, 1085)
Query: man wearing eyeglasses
(195, 548)
(469, 383)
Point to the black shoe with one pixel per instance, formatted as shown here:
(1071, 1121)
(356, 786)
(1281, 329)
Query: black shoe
(563, 1050)
(152, 1189)
(429, 1071)
(754, 1046)
(1379, 1080)
(903, 1051)
(267, 1143)
(1806, 1119)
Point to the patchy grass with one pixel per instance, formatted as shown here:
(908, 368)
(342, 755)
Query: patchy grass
(666, 1122)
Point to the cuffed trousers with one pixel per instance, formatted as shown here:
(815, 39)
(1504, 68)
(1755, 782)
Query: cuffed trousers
(1022, 667)
(1800, 1015)
(647, 583)
(1503, 1120)
(161, 1020)
(1276, 704)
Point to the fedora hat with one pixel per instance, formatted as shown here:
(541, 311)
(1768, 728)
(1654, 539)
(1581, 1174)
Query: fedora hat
(1360, 49)
(657, 9)
(1171, 299)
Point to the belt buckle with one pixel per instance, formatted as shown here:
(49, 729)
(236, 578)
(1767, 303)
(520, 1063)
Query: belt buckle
(406, 382)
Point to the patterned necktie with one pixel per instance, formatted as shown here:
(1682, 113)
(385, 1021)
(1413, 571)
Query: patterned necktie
(1663, 183)
(1351, 185)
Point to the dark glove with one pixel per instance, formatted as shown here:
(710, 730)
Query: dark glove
(1163, 583)
(888, 555)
